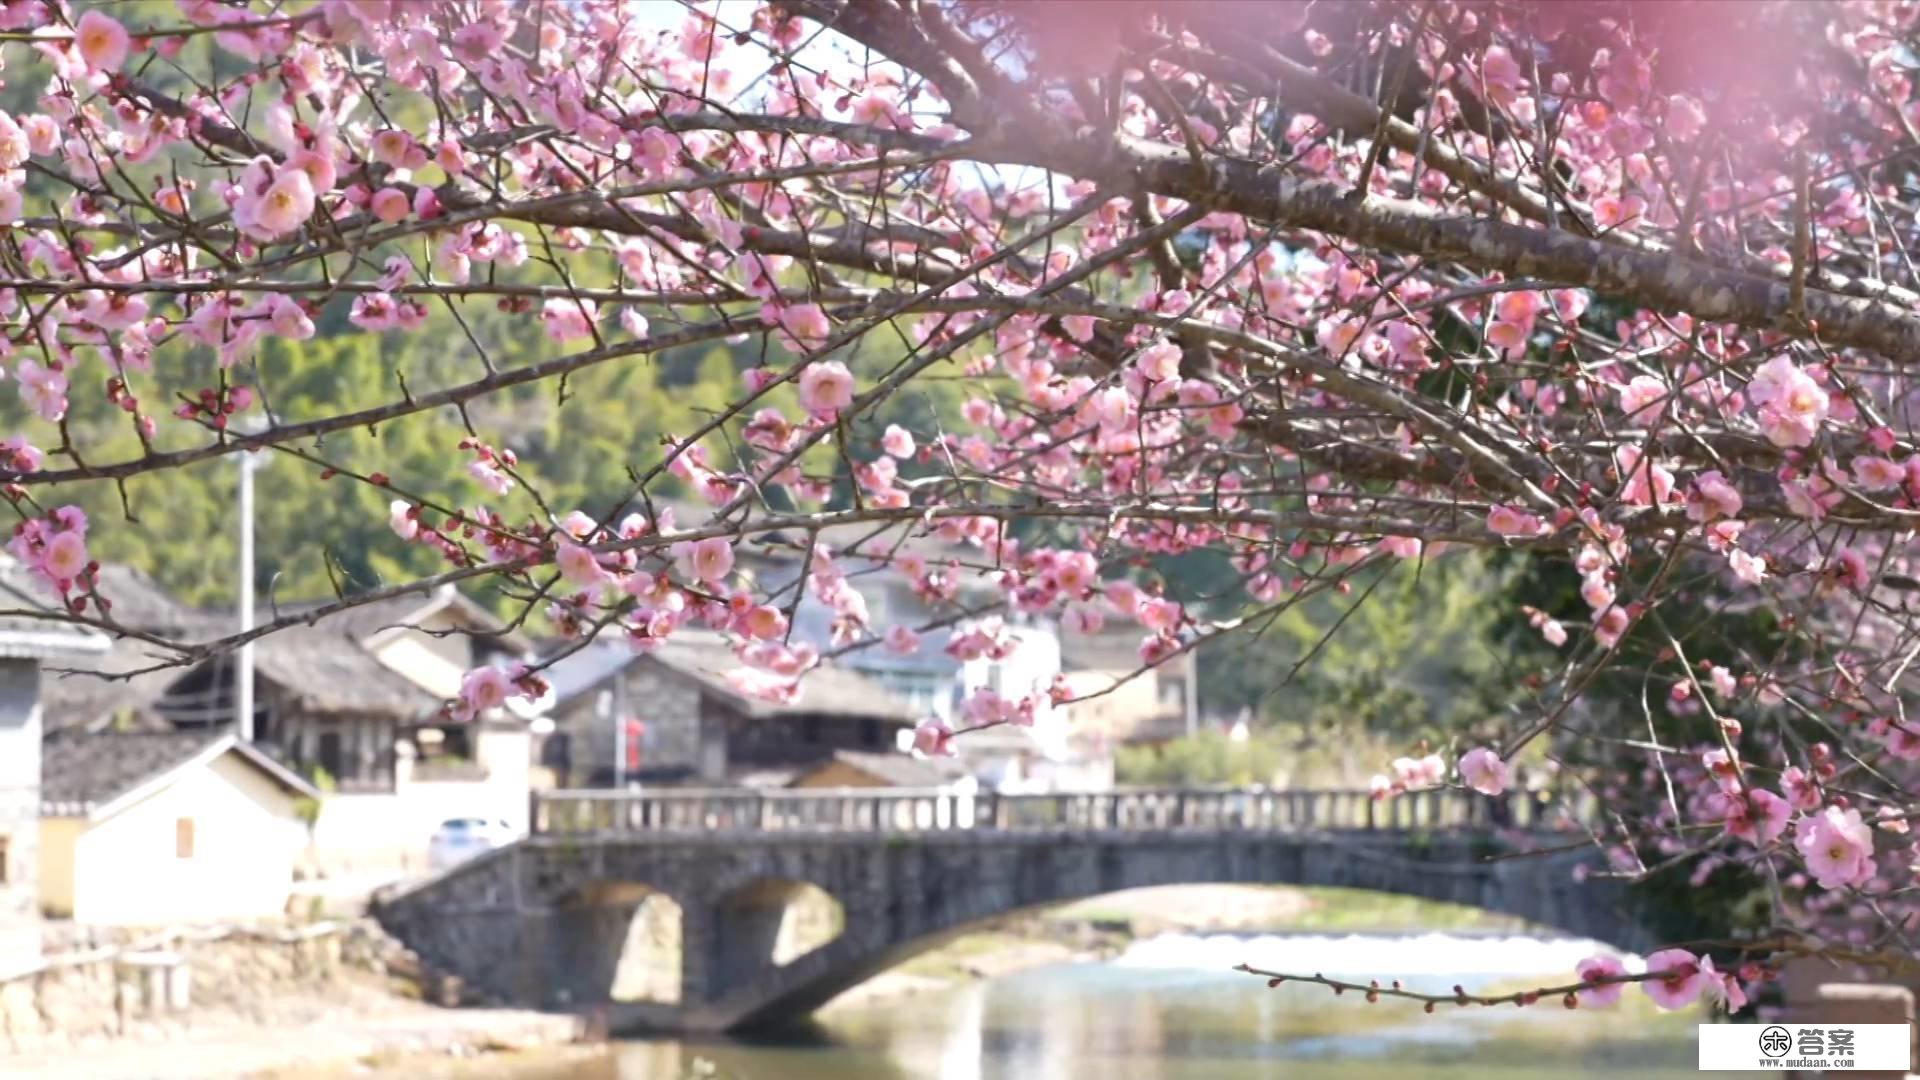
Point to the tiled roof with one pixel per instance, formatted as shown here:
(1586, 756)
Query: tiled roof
(29, 635)
(79, 772)
(141, 604)
(325, 665)
(706, 658)
(319, 667)
(895, 770)
(91, 690)
(327, 669)
(399, 612)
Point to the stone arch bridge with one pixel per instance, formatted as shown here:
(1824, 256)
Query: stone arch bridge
(543, 922)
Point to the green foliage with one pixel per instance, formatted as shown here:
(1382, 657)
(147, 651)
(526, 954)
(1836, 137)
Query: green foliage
(579, 445)
(1208, 757)
(1415, 651)
(308, 809)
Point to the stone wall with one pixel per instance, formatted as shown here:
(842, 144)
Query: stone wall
(165, 983)
(546, 921)
(668, 703)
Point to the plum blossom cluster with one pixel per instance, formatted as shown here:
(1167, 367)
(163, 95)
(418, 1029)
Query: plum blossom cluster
(1480, 769)
(1604, 291)
(54, 548)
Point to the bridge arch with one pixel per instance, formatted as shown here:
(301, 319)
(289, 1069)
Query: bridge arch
(1542, 892)
(769, 922)
(544, 915)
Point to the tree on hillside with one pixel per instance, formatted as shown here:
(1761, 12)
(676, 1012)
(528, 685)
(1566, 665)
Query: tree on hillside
(1621, 291)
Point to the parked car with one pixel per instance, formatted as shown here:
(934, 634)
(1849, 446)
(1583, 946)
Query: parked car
(460, 839)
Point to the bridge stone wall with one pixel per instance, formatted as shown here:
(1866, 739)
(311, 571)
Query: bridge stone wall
(542, 923)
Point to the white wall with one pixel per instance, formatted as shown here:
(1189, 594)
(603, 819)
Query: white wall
(246, 836)
(383, 833)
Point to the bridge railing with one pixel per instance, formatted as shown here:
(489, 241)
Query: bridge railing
(909, 810)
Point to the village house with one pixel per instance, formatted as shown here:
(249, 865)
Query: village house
(352, 703)
(1054, 754)
(677, 720)
(156, 828)
(356, 702)
(25, 645)
(1124, 701)
(929, 679)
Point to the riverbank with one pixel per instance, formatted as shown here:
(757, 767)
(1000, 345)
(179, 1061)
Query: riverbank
(352, 1030)
(356, 1008)
(330, 998)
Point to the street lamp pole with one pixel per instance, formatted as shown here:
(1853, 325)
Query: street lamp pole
(243, 677)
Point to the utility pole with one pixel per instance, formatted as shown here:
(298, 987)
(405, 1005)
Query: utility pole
(243, 673)
(1192, 686)
(243, 676)
(619, 730)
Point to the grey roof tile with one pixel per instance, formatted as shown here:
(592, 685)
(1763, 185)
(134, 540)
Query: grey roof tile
(79, 772)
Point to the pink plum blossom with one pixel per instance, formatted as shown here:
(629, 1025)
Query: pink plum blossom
(482, 690)
(1712, 497)
(578, 564)
(901, 640)
(1421, 772)
(1877, 473)
(805, 325)
(1482, 770)
(65, 557)
(1801, 790)
(44, 389)
(1680, 980)
(709, 560)
(1644, 482)
(282, 207)
(569, 319)
(1759, 818)
(390, 205)
(1509, 521)
(826, 387)
(1790, 406)
(1643, 398)
(764, 622)
(402, 519)
(933, 738)
(1837, 846)
(1600, 967)
(102, 41)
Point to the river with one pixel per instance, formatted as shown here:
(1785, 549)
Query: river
(1169, 1008)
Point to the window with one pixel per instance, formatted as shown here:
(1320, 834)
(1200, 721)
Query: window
(329, 756)
(1173, 690)
(926, 691)
(183, 838)
(870, 733)
(810, 729)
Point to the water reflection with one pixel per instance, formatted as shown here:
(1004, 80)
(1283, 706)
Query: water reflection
(1171, 1010)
